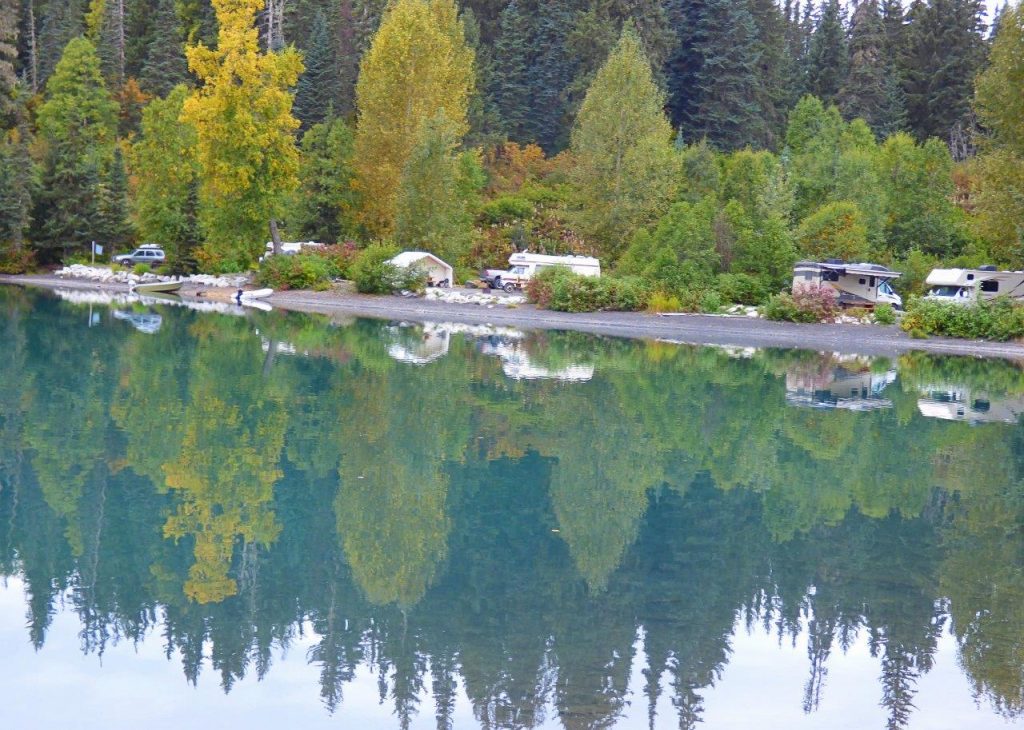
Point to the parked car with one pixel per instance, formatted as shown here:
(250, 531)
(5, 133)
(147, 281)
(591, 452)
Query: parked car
(148, 254)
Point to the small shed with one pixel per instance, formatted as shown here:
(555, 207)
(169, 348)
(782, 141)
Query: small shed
(438, 272)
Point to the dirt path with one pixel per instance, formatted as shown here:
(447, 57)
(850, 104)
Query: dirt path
(695, 329)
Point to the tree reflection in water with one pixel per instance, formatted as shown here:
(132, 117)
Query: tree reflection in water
(521, 531)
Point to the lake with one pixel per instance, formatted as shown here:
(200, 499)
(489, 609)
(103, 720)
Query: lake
(233, 518)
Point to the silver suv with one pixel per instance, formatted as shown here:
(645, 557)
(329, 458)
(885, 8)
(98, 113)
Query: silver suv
(150, 254)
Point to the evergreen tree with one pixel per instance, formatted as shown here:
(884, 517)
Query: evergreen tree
(166, 173)
(776, 69)
(623, 146)
(112, 227)
(105, 27)
(430, 212)
(945, 50)
(510, 86)
(243, 119)
(418, 64)
(317, 91)
(864, 93)
(827, 57)
(78, 124)
(16, 183)
(164, 66)
(728, 80)
(683, 67)
(325, 201)
(485, 125)
(61, 22)
(9, 22)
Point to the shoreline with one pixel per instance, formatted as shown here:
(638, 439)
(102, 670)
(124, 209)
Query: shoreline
(696, 329)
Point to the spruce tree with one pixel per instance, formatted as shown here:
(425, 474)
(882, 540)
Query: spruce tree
(112, 227)
(8, 53)
(827, 57)
(16, 182)
(864, 93)
(325, 201)
(509, 87)
(164, 66)
(945, 50)
(317, 90)
(728, 82)
(78, 123)
(684, 64)
(62, 22)
(776, 67)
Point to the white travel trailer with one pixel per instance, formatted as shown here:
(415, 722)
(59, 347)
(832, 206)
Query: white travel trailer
(857, 285)
(953, 403)
(967, 286)
(524, 266)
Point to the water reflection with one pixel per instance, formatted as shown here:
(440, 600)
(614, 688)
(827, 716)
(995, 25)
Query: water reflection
(525, 516)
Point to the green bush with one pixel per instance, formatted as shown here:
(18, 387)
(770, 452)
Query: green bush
(806, 305)
(300, 271)
(711, 302)
(742, 289)
(20, 261)
(372, 273)
(561, 290)
(999, 319)
(885, 314)
(339, 258)
(140, 269)
(506, 209)
(661, 302)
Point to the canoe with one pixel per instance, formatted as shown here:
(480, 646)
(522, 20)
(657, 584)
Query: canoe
(157, 287)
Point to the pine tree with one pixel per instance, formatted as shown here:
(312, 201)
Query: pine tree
(317, 91)
(16, 182)
(417, 65)
(510, 87)
(243, 119)
(430, 212)
(325, 202)
(9, 21)
(945, 51)
(166, 173)
(622, 141)
(105, 27)
(776, 69)
(863, 93)
(164, 66)
(62, 22)
(112, 226)
(827, 58)
(684, 64)
(728, 81)
(78, 124)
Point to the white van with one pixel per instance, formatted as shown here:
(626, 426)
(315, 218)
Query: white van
(967, 286)
(524, 266)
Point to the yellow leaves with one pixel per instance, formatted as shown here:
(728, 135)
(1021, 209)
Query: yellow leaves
(418, 64)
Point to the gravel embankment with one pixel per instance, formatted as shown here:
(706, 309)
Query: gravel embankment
(691, 329)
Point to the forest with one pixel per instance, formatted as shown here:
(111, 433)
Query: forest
(190, 487)
(700, 146)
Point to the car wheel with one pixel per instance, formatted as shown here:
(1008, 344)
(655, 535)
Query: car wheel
(509, 288)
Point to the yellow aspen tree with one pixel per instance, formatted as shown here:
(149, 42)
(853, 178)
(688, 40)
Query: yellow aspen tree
(417, 65)
(242, 114)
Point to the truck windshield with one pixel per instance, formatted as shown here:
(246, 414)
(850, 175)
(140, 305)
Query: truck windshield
(518, 270)
(944, 291)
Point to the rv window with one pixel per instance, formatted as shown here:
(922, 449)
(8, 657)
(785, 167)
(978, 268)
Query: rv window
(808, 277)
(863, 281)
(990, 286)
(970, 277)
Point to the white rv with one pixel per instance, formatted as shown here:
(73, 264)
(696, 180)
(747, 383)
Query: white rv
(967, 286)
(857, 285)
(524, 266)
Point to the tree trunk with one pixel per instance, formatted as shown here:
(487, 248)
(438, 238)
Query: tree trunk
(33, 68)
(275, 237)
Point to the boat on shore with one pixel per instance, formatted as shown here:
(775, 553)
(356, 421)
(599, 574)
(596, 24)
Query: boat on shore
(158, 287)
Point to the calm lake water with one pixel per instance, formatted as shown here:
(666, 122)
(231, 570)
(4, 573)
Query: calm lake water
(228, 519)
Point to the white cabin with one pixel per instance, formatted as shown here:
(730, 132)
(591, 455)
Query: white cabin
(967, 286)
(856, 285)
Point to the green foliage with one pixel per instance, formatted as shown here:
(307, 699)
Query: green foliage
(885, 314)
(431, 210)
(140, 269)
(742, 289)
(1000, 319)
(506, 209)
(561, 290)
(325, 202)
(302, 271)
(166, 173)
(835, 230)
(16, 260)
(625, 163)
(372, 273)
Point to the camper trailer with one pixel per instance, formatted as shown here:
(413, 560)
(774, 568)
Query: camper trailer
(967, 286)
(857, 285)
(524, 266)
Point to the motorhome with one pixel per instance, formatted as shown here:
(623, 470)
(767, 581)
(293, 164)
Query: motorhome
(857, 285)
(967, 286)
(524, 266)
